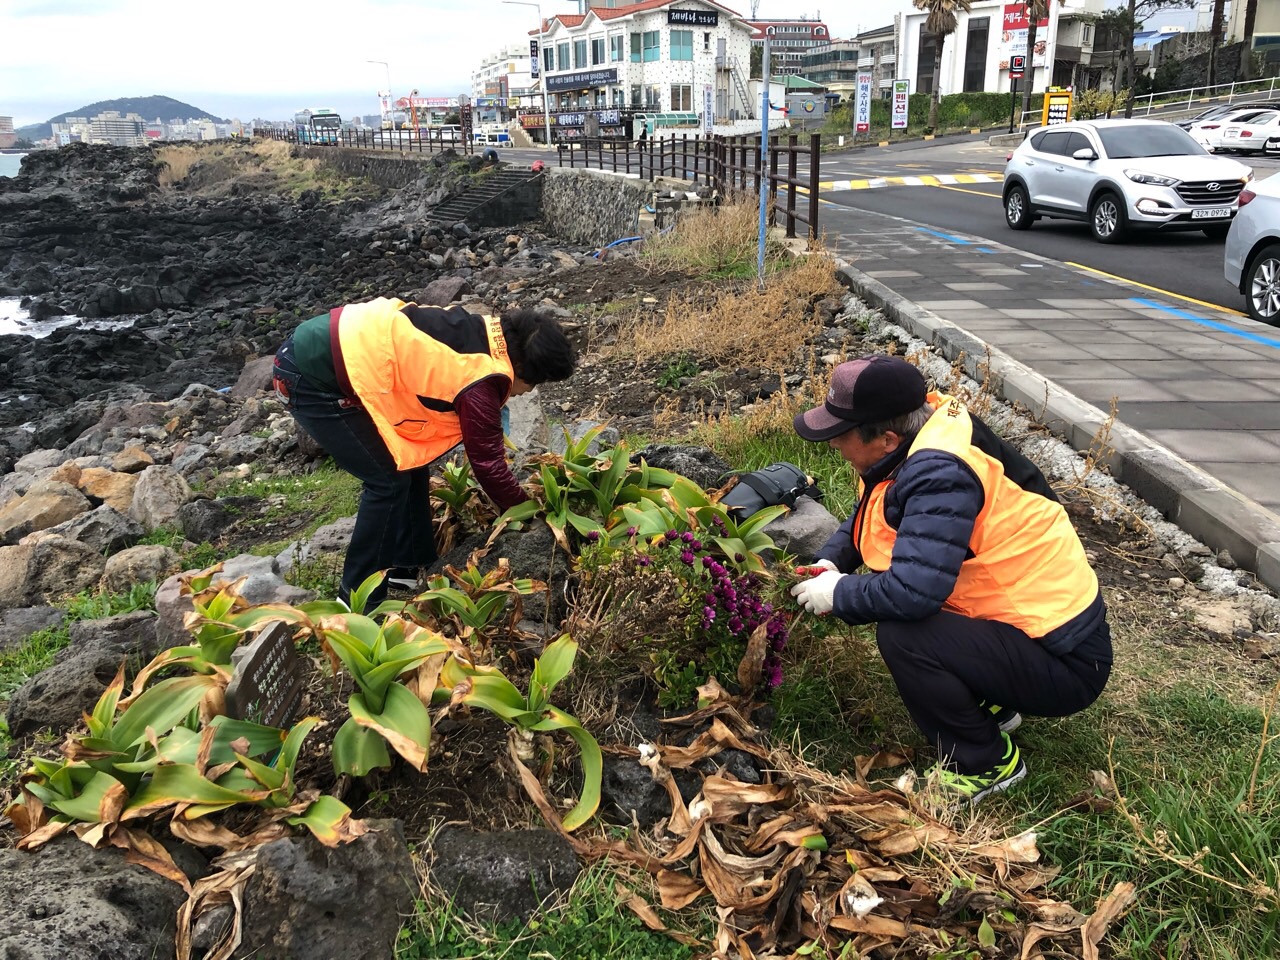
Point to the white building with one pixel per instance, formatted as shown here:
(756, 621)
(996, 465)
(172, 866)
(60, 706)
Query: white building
(659, 56)
(977, 56)
(503, 74)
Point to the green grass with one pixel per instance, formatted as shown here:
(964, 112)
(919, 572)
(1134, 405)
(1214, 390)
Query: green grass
(595, 923)
(325, 495)
(19, 665)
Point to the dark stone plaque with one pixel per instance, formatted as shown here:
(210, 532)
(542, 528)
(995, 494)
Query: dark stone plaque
(266, 678)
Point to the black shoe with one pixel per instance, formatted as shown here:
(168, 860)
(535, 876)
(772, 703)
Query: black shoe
(403, 578)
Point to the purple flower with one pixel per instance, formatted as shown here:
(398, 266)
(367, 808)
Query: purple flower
(739, 558)
(644, 560)
(686, 557)
(709, 599)
(772, 674)
(735, 624)
(687, 537)
(671, 534)
(593, 535)
(708, 614)
(695, 544)
(631, 531)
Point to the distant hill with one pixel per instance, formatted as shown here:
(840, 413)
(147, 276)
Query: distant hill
(149, 108)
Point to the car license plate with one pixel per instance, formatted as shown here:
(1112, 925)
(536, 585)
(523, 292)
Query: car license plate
(1211, 213)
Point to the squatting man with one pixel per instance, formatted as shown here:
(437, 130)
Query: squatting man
(984, 602)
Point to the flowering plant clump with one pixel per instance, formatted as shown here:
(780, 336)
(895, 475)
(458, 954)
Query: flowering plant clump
(718, 609)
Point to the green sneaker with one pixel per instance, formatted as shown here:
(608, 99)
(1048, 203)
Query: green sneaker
(1007, 718)
(973, 787)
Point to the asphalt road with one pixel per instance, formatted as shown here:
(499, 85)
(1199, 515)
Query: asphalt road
(1188, 264)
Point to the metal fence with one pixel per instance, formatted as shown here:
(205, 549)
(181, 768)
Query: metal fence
(425, 140)
(730, 164)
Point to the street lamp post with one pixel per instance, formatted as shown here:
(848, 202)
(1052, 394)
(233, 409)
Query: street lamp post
(390, 102)
(542, 69)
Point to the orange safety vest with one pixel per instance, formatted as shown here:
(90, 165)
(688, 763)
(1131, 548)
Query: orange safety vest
(392, 366)
(1028, 567)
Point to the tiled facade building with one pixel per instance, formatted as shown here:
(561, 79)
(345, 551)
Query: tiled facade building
(789, 41)
(655, 56)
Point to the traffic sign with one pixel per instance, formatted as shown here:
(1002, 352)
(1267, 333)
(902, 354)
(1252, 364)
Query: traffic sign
(1017, 65)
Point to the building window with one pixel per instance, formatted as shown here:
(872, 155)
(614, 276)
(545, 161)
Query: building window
(580, 54)
(548, 59)
(681, 44)
(635, 94)
(653, 97)
(682, 97)
(562, 56)
(615, 47)
(597, 50)
(706, 41)
(652, 46)
(975, 54)
(619, 97)
(924, 62)
(1086, 33)
(635, 48)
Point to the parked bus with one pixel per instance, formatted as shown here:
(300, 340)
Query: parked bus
(320, 125)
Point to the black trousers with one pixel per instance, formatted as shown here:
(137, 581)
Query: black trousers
(393, 524)
(947, 666)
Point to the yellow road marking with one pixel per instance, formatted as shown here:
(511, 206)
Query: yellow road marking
(920, 180)
(976, 193)
(1161, 290)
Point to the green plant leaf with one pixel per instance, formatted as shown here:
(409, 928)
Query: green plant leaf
(322, 818)
(357, 750)
(361, 597)
(161, 707)
(986, 935)
(86, 806)
(592, 765)
(403, 722)
(182, 783)
(552, 667)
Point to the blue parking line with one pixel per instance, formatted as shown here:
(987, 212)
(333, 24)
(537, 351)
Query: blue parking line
(1206, 322)
(946, 236)
(987, 250)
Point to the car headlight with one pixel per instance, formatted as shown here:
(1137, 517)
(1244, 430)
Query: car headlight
(1155, 179)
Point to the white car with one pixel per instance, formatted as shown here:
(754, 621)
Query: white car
(1207, 131)
(1249, 133)
(1120, 175)
(1251, 261)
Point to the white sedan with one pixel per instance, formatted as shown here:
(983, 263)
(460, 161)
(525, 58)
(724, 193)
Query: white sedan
(1249, 134)
(1208, 132)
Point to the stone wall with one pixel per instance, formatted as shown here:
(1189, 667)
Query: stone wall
(592, 206)
(392, 170)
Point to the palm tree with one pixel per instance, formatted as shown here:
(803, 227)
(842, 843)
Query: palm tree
(1246, 50)
(1037, 10)
(1215, 40)
(941, 22)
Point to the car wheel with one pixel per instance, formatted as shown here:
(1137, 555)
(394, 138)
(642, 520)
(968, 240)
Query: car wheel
(1107, 218)
(1217, 232)
(1017, 208)
(1262, 286)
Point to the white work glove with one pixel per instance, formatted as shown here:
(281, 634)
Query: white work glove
(818, 594)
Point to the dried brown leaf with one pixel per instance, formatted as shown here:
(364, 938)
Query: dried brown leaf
(1111, 909)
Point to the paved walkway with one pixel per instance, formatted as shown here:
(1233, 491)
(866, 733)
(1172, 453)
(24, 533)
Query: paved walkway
(1197, 389)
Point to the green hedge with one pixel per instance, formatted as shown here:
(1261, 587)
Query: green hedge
(956, 111)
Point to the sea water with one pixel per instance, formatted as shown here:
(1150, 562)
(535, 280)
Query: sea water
(15, 320)
(9, 164)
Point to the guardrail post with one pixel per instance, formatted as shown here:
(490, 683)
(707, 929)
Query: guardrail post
(791, 186)
(815, 156)
(650, 140)
(773, 180)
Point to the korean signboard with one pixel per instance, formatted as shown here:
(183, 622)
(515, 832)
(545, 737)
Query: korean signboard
(1013, 37)
(1017, 66)
(862, 109)
(1057, 107)
(693, 18)
(708, 110)
(581, 80)
(901, 102)
(533, 59)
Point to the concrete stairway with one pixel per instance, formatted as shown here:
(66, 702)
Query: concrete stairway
(504, 198)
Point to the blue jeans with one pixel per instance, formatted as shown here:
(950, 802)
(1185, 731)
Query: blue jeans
(393, 524)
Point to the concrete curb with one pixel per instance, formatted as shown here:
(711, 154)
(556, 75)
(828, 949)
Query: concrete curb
(1204, 507)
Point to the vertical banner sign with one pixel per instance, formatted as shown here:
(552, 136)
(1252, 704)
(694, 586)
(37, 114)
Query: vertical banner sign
(901, 101)
(1057, 107)
(533, 59)
(708, 109)
(862, 112)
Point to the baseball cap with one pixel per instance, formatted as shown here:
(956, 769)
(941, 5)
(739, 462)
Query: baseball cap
(867, 390)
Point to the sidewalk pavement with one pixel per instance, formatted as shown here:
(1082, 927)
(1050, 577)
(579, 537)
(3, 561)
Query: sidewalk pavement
(1197, 390)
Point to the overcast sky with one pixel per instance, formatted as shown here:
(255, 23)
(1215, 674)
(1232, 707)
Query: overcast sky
(268, 58)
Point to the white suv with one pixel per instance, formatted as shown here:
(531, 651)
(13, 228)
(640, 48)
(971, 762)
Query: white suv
(1121, 174)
